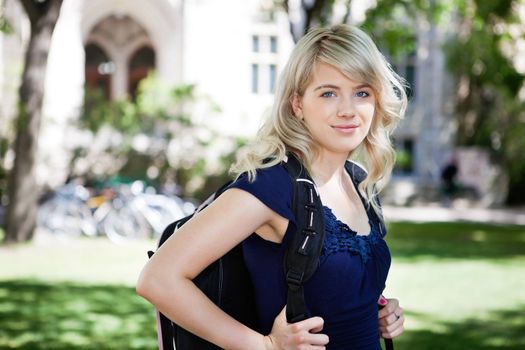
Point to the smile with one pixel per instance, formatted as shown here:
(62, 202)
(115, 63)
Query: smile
(345, 128)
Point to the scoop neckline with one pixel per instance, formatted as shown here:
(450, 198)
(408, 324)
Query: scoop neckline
(345, 225)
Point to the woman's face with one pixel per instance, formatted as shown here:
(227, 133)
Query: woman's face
(337, 111)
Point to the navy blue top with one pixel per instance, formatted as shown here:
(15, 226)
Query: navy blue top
(345, 288)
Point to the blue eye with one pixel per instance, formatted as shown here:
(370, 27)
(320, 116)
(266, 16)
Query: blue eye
(362, 94)
(328, 94)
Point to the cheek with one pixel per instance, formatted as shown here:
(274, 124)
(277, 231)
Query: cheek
(315, 114)
(367, 112)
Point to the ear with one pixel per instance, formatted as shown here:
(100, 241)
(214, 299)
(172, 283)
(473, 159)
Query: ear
(297, 108)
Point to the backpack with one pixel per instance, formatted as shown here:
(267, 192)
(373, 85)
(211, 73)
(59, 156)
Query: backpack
(227, 282)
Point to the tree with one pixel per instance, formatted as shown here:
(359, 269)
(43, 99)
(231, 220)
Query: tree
(22, 193)
(489, 112)
(308, 13)
(5, 29)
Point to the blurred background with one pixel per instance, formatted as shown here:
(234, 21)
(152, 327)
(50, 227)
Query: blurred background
(118, 117)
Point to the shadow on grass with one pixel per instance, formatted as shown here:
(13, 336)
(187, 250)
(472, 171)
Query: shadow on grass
(38, 315)
(42, 315)
(455, 240)
(502, 330)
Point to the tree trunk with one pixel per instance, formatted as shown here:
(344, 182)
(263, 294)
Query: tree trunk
(22, 188)
(307, 13)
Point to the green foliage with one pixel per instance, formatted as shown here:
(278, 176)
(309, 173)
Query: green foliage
(394, 23)
(161, 138)
(98, 112)
(219, 178)
(488, 112)
(403, 161)
(155, 104)
(5, 26)
(391, 24)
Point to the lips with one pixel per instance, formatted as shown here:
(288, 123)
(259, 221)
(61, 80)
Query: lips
(346, 127)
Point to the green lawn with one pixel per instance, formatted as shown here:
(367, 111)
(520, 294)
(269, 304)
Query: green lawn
(462, 287)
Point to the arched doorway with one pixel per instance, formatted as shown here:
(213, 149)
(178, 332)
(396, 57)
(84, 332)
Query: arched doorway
(140, 64)
(99, 69)
(130, 51)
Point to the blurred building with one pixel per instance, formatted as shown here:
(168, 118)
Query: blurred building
(231, 50)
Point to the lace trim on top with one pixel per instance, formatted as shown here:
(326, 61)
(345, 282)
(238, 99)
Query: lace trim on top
(341, 238)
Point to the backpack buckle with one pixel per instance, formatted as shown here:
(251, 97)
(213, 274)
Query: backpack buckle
(294, 279)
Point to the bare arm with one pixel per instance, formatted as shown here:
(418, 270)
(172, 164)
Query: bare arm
(166, 280)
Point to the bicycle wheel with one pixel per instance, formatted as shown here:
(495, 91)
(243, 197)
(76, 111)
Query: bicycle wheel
(60, 217)
(122, 225)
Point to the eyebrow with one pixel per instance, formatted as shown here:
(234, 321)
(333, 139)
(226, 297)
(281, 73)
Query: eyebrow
(326, 86)
(330, 86)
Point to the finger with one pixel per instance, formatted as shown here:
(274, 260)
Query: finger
(305, 340)
(315, 339)
(382, 300)
(390, 328)
(316, 329)
(312, 324)
(389, 308)
(391, 318)
(395, 333)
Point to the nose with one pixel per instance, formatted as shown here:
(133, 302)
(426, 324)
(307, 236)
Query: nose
(346, 108)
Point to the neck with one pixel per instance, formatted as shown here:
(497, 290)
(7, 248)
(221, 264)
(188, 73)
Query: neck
(327, 167)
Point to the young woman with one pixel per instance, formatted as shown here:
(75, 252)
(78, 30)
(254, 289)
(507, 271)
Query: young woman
(338, 98)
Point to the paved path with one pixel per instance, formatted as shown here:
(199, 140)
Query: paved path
(430, 213)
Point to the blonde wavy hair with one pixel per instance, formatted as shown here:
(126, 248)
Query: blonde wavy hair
(353, 52)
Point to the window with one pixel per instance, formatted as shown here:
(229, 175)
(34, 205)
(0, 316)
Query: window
(255, 43)
(98, 70)
(264, 61)
(410, 74)
(272, 77)
(273, 44)
(141, 62)
(255, 78)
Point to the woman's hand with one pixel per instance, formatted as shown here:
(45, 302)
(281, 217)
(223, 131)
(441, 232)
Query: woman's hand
(301, 335)
(391, 318)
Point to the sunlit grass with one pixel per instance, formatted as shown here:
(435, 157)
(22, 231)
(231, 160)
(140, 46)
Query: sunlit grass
(461, 286)
(46, 315)
(85, 260)
(74, 294)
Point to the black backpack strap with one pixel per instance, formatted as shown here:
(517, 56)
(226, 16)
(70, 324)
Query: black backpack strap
(302, 255)
(389, 344)
(165, 332)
